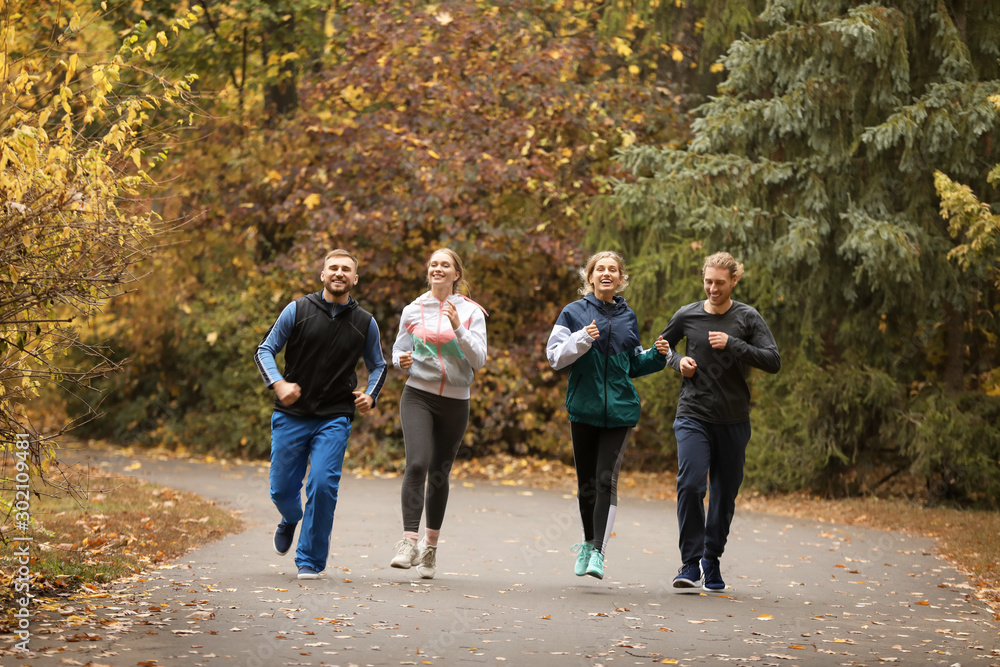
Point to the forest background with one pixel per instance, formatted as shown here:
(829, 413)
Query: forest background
(173, 173)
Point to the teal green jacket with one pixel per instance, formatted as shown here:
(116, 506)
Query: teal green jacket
(600, 390)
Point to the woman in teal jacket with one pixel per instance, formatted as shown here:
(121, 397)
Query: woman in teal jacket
(598, 338)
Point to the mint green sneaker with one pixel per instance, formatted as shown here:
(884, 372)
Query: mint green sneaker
(595, 567)
(583, 559)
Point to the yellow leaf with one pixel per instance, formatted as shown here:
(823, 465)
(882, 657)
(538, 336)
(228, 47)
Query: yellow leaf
(765, 617)
(433, 154)
(716, 68)
(71, 67)
(212, 337)
(677, 55)
(621, 46)
(312, 201)
(136, 156)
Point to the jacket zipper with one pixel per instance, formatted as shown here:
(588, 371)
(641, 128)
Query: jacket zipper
(608, 313)
(440, 356)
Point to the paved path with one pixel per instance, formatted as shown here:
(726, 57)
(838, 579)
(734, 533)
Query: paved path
(800, 592)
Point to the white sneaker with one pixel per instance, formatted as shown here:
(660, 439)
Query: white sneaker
(406, 554)
(427, 561)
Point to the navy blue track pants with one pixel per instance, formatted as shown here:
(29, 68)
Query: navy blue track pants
(716, 452)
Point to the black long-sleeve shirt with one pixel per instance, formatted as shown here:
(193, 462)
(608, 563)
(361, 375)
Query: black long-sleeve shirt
(718, 391)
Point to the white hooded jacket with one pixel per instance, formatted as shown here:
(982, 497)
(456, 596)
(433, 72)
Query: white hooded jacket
(444, 359)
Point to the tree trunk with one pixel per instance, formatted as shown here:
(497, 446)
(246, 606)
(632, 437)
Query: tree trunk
(954, 349)
(281, 95)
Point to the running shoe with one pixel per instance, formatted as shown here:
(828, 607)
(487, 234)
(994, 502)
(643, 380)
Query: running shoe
(713, 574)
(595, 568)
(688, 576)
(283, 537)
(427, 562)
(406, 554)
(583, 559)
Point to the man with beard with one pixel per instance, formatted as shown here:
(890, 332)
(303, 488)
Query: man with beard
(326, 333)
(725, 339)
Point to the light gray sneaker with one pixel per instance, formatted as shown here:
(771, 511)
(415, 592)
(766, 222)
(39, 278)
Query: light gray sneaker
(427, 561)
(406, 554)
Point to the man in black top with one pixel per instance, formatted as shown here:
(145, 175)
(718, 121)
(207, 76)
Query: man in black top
(323, 335)
(724, 339)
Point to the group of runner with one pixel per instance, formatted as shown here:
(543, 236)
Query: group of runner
(440, 344)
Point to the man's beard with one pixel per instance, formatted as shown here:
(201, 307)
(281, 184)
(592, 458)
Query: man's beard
(338, 290)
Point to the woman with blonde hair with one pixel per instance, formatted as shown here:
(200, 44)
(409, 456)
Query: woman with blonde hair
(440, 344)
(597, 337)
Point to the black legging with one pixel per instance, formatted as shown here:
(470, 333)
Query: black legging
(433, 428)
(598, 454)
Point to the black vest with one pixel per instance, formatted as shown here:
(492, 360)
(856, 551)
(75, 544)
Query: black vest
(321, 356)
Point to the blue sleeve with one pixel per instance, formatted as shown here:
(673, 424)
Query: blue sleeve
(374, 362)
(273, 343)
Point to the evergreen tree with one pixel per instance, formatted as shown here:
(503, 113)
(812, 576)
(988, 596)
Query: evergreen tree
(815, 165)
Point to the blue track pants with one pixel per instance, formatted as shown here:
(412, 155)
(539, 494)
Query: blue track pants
(319, 443)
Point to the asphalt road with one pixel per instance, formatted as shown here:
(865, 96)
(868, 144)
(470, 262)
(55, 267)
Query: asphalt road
(800, 592)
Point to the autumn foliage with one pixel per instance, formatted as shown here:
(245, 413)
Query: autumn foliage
(79, 135)
(485, 128)
(501, 128)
